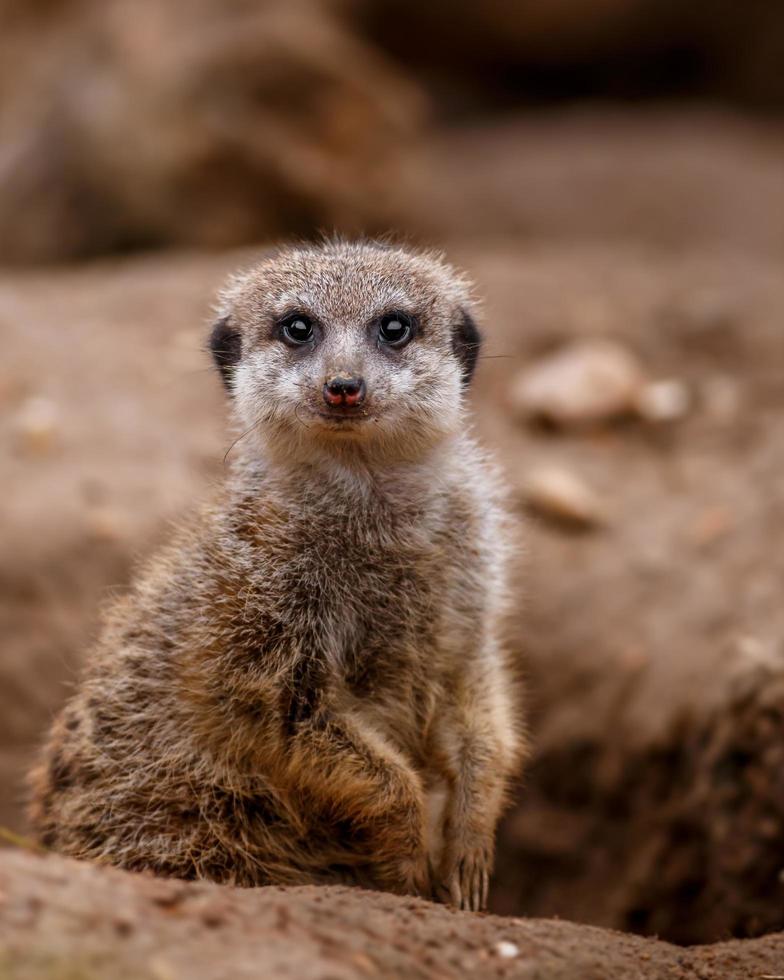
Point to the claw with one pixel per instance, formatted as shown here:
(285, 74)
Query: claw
(465, 884)
(455, 894)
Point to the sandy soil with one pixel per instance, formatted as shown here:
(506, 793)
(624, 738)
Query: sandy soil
(647, 641)
(62, 919)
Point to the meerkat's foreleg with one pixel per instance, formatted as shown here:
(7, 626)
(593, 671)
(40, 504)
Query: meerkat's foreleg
(482, 748)
(354, 774)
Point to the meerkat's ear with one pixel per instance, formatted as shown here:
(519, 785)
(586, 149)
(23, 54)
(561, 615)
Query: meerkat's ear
(466, 341)
(226, 347)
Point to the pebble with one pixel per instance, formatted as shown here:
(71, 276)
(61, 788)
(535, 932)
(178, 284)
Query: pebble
(507, 950)
(585, 383)
(663, 401)
(711, 525)
(755, 662)
(36, 426)
(756, 652)
(105, 523)
(161, 969)
(562, 496)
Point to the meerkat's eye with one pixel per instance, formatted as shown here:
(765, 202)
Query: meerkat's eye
(395, 329)
(296, 329)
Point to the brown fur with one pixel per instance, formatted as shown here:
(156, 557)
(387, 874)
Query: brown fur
(308, 684)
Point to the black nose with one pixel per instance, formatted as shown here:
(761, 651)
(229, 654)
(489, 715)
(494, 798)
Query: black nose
(344, 391)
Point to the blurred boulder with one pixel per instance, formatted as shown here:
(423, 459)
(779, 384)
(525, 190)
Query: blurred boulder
(561, 496)
(214, 123)
(585, 383)
(702, 856)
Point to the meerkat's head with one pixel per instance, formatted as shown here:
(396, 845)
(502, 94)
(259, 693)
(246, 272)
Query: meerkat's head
(342, 347)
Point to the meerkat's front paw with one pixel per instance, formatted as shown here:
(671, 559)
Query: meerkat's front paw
(408, 875)
(419, 881)
(401, 863)
(464, 878)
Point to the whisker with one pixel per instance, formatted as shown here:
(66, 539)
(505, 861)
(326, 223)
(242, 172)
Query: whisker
(242, 436)
(296, 416)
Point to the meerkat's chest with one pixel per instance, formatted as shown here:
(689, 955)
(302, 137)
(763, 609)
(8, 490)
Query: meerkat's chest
(363, 605)
(364, 598)
(375, 594)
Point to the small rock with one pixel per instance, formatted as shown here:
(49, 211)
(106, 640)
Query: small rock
(36, 426)
(213, 918)
(663, 401)
(713, 524)
(756, 652)
(507, 950)
(124, 925)
(169, 894)
(105, 523)
(756, 661)
(364, 962)
(161, 969)
(585, 383)
(562, 496)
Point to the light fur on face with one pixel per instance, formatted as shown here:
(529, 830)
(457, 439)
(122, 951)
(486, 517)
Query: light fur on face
(414, 395)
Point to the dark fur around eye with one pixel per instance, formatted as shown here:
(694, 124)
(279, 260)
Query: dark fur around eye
(466, 343)
(226, 347)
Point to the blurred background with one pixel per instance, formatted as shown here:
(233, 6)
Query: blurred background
(612, 174)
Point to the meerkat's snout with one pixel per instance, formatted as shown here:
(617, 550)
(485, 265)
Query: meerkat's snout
(342, 391)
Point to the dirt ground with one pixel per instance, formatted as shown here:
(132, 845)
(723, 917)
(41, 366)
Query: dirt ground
(84, 923)
(652, 645)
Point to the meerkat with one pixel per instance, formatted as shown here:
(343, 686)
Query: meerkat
(309, 683)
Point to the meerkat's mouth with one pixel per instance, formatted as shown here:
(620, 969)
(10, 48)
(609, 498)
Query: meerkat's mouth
(348, 412)
(347, 422)
(344, 418)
